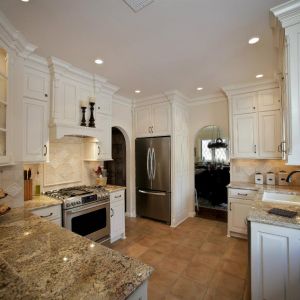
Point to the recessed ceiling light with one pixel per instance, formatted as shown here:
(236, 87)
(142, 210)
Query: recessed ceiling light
(259, 76)
(98, 61)
(25, 0)
(253, 40)
(199, 88)
(137, 91)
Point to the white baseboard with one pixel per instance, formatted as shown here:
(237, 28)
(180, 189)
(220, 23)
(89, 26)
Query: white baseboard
(130, 215)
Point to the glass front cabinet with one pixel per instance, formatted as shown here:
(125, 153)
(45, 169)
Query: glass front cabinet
(4, 155)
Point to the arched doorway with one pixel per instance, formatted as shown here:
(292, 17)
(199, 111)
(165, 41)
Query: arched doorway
(211, 173)
(116, 169)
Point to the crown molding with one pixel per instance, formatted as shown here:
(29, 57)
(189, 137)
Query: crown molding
(118, 99)
(287, 13)
(249, 87)
(13, 38)
(213, 98)
(109, 89)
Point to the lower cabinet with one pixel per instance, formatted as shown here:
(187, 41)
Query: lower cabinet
(52, 213)
(239, 205)
(275, 262)
(117, 216)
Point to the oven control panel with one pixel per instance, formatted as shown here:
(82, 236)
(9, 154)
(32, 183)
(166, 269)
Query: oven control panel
(90, 198)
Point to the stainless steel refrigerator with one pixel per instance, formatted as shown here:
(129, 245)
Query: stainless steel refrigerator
(153, 178)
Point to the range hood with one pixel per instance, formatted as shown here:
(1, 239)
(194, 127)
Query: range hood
(59, 130)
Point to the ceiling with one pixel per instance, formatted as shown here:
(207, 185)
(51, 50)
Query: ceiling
(168, 45)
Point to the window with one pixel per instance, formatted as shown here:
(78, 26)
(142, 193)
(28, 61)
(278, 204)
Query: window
(218, 155)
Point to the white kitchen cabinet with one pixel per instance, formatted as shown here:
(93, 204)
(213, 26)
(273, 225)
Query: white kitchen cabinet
(153, 120)
(275, 262)
(239, 205)
(103, 104)
(117, 216)
(52, 213)
(35, 130)
(92, 150)
(103, 122)
(286, 24)
(244, 103)
(36, 84)
(269, 99)
(270, 134)
(245, 135)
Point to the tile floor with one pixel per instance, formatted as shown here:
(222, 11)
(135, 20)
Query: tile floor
(196, 260)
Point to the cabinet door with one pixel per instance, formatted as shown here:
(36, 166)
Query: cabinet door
(245, 133)
(103, 104)
(35, 130)
(275, 262)
(117, 220)
(269, 134)
(161, 119)
(36, 85)
(143, 121)
(269, 100)
(104, 124)
(237, 215)
(244, 103)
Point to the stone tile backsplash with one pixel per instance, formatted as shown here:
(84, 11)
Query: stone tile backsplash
(243, 170)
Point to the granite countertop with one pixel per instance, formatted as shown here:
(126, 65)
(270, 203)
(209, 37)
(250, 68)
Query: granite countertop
(286, 189)
(40, 260)
(41, 201)
(114, 188)
(259, 213)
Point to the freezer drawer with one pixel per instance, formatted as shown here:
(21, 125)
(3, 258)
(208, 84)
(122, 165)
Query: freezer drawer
(154, 205)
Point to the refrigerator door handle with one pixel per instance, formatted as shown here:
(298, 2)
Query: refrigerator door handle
(153, 193)
(148, 159)
(153, 164)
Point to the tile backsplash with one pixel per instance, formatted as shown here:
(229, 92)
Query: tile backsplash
(243, 170)
(66, 167)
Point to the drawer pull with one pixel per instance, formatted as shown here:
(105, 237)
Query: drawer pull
(241, 194)
(47, 215)
(118, 196)
(112, 212)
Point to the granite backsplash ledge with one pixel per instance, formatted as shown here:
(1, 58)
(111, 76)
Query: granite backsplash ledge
(243, 170)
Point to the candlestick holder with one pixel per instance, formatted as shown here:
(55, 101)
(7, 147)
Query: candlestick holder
(92, 119)
(83, 120)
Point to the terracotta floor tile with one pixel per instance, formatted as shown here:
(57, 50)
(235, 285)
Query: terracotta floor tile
(135, 250)
(209, 260)
(172, 264)
(188, 289)
(199, 273)
(152, 257)
(196, 260)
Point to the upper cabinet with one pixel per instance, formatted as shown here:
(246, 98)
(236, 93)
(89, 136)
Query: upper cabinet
(286, 25)
(153, 120)
(36, 110)
(255, 121)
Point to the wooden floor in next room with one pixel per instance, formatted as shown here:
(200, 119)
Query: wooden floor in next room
(196, 260)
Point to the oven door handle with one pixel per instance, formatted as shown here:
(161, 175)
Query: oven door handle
(83, 208)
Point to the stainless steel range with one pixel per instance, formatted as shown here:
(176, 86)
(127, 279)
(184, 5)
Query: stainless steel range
(86, 210)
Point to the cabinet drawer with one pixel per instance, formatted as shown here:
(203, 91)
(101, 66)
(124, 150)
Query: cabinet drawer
(49, 213)
(242, 194)
(117, 196)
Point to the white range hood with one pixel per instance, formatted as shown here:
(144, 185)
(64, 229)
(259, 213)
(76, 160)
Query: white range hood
(59, 130)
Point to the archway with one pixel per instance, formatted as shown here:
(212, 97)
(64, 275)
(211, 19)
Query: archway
(116, 168)
(211, 172)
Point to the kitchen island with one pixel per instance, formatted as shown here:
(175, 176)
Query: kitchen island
(40, 260)
(274, 252)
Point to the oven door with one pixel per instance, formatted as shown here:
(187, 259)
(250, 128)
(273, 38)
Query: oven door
(91, 221)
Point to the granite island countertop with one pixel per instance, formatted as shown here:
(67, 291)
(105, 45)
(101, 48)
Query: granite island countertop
(286, 189)
(40, 260)
(259, 213)
(41, 201)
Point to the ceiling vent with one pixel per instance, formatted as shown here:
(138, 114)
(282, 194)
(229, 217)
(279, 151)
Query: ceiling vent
(137, 5)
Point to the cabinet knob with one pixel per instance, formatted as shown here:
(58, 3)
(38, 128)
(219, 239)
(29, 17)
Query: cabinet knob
(46, 95)
(98, 107)
(254, 107)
